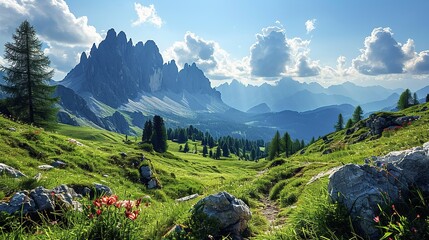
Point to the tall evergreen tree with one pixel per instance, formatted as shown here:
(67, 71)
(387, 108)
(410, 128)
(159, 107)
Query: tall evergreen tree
(186, 148)
(147, 131)
(340, 123)
(218, 152)
(427, 97)
(225, 150)
(211, 153)
(159, 135)
(287, 141)
(349, 123)
(205, 151)
(29, 96)
(275, 147)
(357, 114)
(415, 99)
(405, 100)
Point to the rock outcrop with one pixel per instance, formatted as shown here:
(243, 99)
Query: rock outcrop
(147, 177)
(361, 188)
(10, 171)
(41, 199)
(229, 214)
(377, 123)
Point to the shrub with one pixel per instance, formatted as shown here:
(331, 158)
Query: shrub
(147, 147)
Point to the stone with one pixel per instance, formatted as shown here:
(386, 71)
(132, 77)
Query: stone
(10, 171)
(145, 173)
(361, 188)
(229, 213)
(12, 129)
(37, 177)
(45, 167)
(101, 189)
(187, 198)
(123, 154)
(377, 124)
(59, 164)
(153, 184)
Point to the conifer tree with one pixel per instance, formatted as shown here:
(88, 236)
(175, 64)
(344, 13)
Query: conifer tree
(205, 151)
(405, 100)
(349, 123)
(218, 152)
(186, 148)
(159, 135)
(275, 147)
(147, 131)
(415, 99)
(340, 123)
(287, 141)
(357, 114)
(29, 96)
(225, 150)
(427, 97)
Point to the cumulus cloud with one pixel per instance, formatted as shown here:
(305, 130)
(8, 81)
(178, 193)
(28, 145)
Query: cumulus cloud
(64, 34)
(208, 55)
(382, 54)
(147, 14)
(270, 54)
(310, 25)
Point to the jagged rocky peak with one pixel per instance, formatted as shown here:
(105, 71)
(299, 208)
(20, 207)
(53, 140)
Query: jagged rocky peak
(169, 76)
(192, 79)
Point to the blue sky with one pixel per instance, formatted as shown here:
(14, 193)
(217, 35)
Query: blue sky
(366, 42)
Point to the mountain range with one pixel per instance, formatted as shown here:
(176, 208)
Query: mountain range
(289, 94)
(119, 85)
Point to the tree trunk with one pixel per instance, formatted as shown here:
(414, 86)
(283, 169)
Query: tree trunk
(30, 96)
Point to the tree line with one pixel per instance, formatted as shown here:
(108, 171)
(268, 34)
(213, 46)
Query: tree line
(284, 145)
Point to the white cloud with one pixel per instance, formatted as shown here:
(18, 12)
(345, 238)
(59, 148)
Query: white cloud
(382, 54)
(147, 14)
(65, 35)
(208, 55)
(270, 54)
(310, 25)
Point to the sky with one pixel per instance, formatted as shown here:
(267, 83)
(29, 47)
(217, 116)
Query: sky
(383, 42)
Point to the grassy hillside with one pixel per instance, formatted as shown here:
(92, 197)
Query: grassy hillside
(286, 200)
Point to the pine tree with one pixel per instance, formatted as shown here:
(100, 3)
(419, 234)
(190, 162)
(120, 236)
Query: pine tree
(211, 153)
(349, 123)
(275, 146)
(287, 141)
(29, 95)
(159, 135)
(415, 99)
(147, 131)
(340, 123)
(357, 114)
(405, 100)
(205, 151)
(218, 153)
(427, 98)
(186, 148)
(253, 154)
(225, 150)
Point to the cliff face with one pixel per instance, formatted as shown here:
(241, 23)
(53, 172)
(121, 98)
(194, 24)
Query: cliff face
(118, 70)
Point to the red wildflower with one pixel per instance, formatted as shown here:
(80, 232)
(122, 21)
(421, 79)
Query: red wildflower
(91, 216)
(98, 212)
(393, 207)
(376, 219)
(97, 203)
(138, 202)
(132, 215)
(109, 200)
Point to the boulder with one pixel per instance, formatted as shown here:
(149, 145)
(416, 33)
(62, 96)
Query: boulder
(41, 199)
(59, 164)
(10, 171)
(361, 188)
(45, 167)
(147, 177)
(229, 214)
(101, 189)
(377, 123)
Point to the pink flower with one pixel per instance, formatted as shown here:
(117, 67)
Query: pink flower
(98, 212)
(376, 219)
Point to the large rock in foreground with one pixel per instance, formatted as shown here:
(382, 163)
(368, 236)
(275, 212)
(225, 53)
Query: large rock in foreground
(229, 214)
(361, 188)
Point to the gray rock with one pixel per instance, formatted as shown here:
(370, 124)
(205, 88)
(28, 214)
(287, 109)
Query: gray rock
(377, 124)
(361, 188)
(12, 129)
(45, 167)
(123, 154)
(59, 164)
(10, 171)
(43, 199)
(101, 189)
(145, 173)
(37, 177)
(231, 214)
(153, 184)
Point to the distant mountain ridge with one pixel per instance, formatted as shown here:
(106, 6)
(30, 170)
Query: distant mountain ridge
(288, 94)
